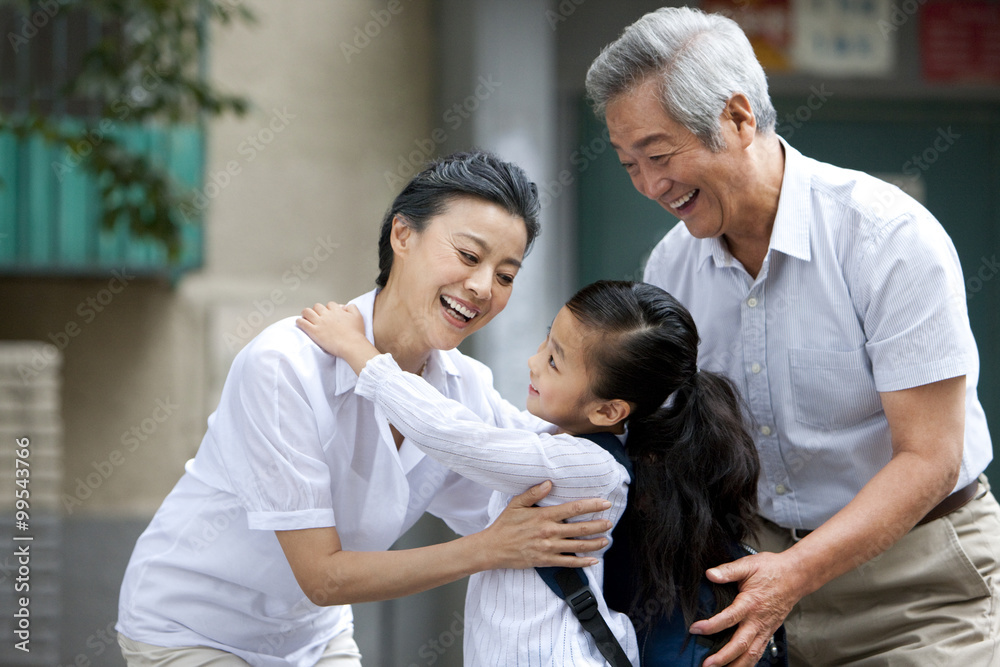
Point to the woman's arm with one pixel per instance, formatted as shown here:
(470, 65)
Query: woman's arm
(522, 536)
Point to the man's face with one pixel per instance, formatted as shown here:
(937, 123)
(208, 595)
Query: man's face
(671, 166)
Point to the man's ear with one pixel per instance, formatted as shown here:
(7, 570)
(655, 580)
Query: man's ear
(400, 235)
(609, 413)
(739, 112)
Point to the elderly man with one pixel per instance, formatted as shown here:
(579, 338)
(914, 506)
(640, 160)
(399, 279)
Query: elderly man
(837, 304)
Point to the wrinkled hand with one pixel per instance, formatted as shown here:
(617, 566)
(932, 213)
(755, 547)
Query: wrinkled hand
(768, 591)
(333, 327)
(524, 536)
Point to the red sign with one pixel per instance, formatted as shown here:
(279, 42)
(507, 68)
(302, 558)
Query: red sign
(960, 41)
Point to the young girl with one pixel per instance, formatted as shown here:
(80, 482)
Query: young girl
(615, 354)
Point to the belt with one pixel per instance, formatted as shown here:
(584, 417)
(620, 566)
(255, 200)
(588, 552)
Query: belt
(955, 501)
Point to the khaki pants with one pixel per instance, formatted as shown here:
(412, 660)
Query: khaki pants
(342, 651)
(930, 600)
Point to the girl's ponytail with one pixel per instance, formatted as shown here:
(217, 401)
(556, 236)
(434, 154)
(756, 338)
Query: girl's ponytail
(694, 493)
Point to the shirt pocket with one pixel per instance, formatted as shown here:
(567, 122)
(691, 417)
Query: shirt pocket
(832, 388)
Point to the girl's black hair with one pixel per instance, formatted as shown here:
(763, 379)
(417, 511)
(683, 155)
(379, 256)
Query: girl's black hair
(694, 496)
(474, 174)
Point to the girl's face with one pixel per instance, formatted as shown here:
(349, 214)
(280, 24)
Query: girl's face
(559, 391)
(457, 274)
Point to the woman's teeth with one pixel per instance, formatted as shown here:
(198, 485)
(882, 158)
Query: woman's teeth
(460, 311)
(683, 200)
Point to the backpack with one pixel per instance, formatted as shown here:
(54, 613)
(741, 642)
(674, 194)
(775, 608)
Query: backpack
(664, 642)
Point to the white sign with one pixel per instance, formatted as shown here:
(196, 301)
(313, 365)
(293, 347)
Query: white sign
(843, 37)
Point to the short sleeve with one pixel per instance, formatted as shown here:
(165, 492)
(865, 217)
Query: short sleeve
(279, 472)
(911, 299)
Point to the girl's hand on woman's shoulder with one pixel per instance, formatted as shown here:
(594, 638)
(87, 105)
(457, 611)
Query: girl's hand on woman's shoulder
(333, 327)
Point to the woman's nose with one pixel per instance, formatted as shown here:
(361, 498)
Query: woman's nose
(480, 282)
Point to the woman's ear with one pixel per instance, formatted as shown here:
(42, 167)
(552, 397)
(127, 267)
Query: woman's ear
(609, 413)
(400, 235)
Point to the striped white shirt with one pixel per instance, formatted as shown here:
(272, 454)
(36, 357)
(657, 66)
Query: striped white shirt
(861, 292)
(511, 617)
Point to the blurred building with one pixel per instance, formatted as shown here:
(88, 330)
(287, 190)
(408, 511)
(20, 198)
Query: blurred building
(350, 98)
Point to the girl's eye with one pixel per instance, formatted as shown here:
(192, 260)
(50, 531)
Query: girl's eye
(552, 361)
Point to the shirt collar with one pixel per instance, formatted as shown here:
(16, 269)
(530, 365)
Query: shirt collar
(790, 233)
(439, 364)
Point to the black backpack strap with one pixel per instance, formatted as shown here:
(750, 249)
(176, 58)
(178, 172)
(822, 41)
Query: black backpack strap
(571, 585)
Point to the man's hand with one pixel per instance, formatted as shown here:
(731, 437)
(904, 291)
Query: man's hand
(525, 536)
(768, 592)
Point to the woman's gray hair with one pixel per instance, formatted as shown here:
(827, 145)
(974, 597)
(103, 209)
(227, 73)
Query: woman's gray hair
(701, 60)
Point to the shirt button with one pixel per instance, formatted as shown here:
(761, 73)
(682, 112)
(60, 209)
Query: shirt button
(755, 368)
(781, 489)
(752, 302)
(766, 430)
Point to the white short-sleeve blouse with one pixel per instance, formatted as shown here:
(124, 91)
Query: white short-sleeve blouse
(290, 446)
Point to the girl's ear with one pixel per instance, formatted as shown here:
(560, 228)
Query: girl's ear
(609, 413)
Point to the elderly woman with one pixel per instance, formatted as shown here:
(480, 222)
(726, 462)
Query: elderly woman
(306, 490)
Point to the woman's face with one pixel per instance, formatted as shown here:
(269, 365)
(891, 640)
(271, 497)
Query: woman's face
(458, 273)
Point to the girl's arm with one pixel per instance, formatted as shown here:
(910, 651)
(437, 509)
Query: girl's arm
(504, 459)
(522, 536)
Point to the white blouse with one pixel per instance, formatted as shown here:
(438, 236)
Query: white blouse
(290, 446)
(511, 616)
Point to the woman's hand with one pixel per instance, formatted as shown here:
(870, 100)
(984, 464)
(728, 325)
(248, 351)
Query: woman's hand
(340, 331)
(525, 536)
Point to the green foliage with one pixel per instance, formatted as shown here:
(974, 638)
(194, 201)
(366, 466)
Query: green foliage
(147, 67)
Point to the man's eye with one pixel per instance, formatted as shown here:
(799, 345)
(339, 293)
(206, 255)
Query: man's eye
(469, 258)
(506, 280)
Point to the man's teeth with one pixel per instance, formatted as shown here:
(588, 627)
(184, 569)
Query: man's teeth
(683, 200)
(459, 308)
